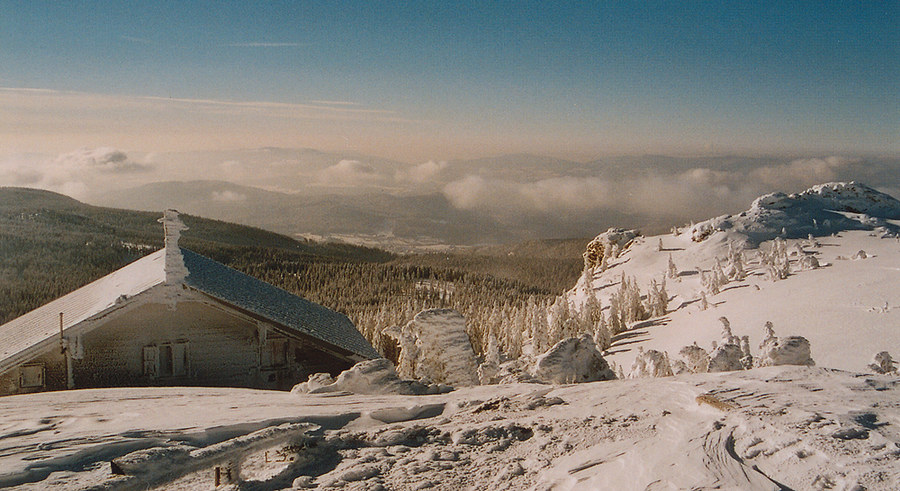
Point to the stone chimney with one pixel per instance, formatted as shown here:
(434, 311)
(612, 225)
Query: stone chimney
(176, 271)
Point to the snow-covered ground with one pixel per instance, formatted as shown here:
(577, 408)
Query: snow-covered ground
(848, 308)
(781, 427)
(835, 425)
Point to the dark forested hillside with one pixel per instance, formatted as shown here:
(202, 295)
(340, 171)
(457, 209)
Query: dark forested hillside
(51, 244)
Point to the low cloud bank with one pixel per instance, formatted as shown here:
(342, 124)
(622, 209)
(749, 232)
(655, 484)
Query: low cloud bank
(529, 196)
(77, 174)
(660, 192)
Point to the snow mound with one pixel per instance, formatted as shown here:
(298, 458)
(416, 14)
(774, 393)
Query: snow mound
(434, 347)
(572, 360)
(819, 211)
(366, 377)
(792, 350)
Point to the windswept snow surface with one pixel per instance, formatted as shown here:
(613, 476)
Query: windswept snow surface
(784, 427)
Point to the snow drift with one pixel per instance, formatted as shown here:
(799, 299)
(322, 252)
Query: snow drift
(366, 377)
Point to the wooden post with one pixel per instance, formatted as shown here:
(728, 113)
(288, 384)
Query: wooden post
(62, 344)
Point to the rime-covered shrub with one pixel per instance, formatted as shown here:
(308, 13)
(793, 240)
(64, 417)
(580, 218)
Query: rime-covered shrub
(651, 363)
(883, 363)
(695, 358)
(726, 358)
(776, 261)
(808, 262)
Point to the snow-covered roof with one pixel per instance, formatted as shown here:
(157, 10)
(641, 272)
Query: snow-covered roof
(205, 275)
(273, 303)
(41, 324)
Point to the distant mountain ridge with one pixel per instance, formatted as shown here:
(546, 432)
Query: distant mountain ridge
(418, 216)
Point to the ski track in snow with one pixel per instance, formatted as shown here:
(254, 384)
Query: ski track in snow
(768, 428)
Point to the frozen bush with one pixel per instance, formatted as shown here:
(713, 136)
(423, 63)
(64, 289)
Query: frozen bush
(883, 363)
(792, 350)
(651, 363)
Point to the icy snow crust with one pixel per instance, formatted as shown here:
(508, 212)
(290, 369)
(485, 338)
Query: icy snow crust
(766, 428)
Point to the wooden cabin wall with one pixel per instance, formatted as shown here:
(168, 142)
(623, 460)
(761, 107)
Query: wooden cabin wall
(55, 375)
(222, 349)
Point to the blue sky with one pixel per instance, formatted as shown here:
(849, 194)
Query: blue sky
(419, 80)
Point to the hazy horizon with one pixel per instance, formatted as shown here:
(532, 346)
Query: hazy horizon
(660, 110)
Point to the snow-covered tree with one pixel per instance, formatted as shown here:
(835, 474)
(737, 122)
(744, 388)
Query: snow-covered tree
(792, 350)
(657, 299)
(651, 363)
(695, 358)
(883, 363)
(776, 261)
(735, 263)
(615, 320)
(671, 270)
(747, 358)
(704, 303)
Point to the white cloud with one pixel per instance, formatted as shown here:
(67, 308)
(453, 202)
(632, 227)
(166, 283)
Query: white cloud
(349, 173)
(657, 191)
(422, 173)
(102, 159)
(228, 196)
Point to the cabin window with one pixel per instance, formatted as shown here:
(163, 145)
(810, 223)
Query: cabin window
(32, 375)
(166, 360)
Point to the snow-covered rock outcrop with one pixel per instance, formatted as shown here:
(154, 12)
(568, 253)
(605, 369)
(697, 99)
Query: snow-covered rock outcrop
(435, 348)
(572, 360)
(821, 210)
(606, 246)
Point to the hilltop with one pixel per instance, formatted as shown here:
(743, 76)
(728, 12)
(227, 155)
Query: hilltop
(837, 284)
